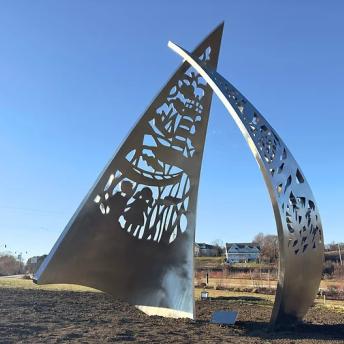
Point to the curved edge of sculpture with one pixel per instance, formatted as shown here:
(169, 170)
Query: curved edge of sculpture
(165, 312)
(296, 214)
(133, 234)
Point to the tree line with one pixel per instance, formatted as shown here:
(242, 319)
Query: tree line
(12, 265)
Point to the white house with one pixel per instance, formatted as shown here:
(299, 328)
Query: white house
(242, 252)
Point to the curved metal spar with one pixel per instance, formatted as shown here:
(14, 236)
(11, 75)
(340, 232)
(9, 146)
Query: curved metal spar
(296, 214)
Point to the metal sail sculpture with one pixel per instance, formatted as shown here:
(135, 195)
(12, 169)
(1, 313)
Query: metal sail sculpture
(133, 234)
(296, 214)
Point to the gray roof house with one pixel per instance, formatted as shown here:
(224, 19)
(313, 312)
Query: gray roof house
(205, 250)
(242, 252)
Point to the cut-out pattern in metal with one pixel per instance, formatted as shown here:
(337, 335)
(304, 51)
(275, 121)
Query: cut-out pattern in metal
(133, 234)
(149, 197)
(297, 217)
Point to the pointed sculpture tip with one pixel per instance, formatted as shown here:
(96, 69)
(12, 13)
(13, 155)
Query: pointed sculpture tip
(218, 31)
(220, 26)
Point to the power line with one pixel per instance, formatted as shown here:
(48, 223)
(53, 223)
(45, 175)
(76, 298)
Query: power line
(33, 210)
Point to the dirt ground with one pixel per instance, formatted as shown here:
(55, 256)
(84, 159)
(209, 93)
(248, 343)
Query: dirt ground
(39, 316)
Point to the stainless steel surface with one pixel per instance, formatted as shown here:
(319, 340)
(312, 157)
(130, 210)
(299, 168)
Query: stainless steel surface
(296, 213)
(133, 234)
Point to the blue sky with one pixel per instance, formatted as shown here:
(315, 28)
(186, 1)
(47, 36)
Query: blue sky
(75, 76)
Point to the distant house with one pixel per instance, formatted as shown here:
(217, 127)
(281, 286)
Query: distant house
(242, 252)
(205, 250)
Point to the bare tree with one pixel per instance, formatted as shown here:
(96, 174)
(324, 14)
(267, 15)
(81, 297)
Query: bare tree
(220, 247)
(268, 247)
(9, 265)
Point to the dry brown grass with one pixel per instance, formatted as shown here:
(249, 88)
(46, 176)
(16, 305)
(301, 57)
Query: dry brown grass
(334, 305)
(28, 284)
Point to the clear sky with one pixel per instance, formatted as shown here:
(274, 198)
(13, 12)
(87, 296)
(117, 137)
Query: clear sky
(75, 76)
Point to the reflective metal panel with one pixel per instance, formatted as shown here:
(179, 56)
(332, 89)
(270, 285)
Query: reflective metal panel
(224, 317)
(296, 214)
(133, 234)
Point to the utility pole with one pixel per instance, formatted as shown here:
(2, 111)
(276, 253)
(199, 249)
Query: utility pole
(340, 255)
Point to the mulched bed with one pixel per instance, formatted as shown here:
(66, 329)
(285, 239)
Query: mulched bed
(36, 316)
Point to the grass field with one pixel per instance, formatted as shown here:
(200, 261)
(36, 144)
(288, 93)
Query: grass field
(256, 282)
(264, 299)
(259, 298)
(69, 313)
(217, 261)
(28, 284)
(209, 260)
